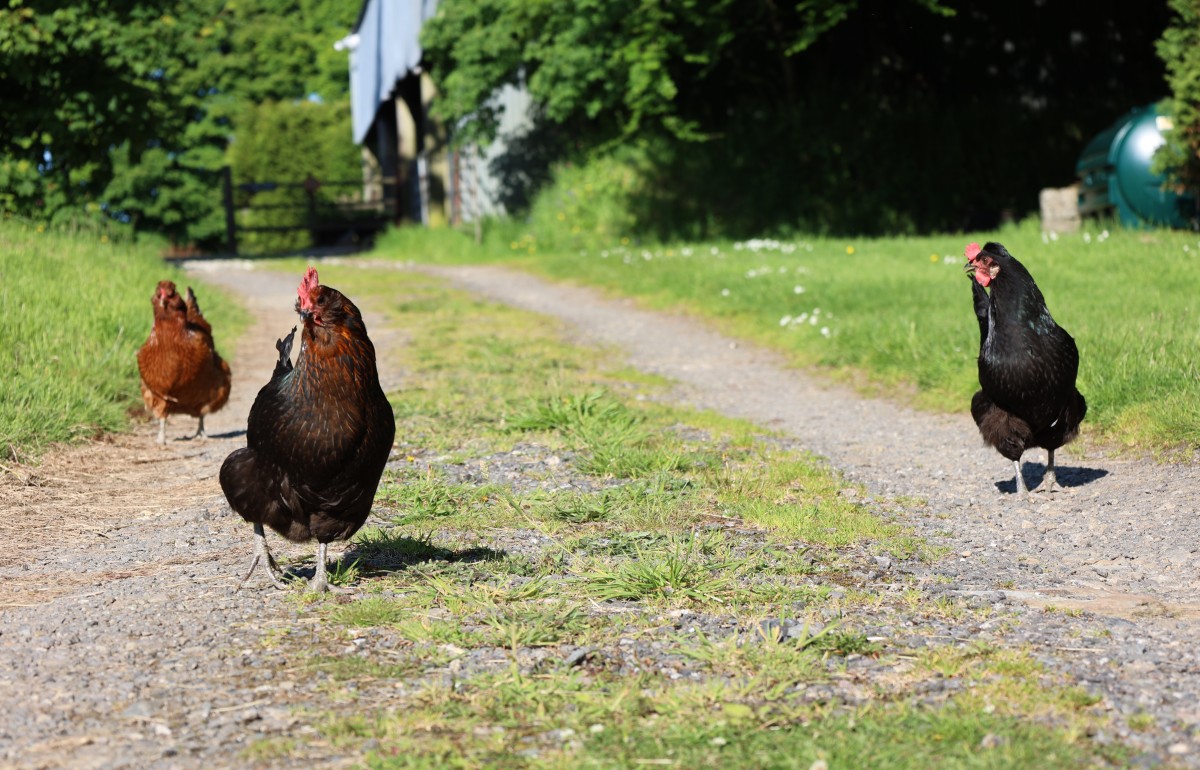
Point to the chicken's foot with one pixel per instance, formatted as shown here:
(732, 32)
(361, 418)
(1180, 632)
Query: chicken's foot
(200, 430)
(263, 554)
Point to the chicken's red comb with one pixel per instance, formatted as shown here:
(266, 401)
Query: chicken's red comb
(972, 251)
(308, 287)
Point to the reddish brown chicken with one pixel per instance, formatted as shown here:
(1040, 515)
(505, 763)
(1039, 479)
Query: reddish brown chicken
(181, 370)
(318, 437)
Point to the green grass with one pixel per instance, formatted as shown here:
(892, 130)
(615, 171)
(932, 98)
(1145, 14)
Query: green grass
(76, 309)
(895, 313)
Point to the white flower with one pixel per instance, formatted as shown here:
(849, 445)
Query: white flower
(787, 319)
(686, 251)
(1045, 238)
(797, 289)
(714, 251)
(824, 331)
(604, 254)
(724, 292)
(1087, 237)
(1053, 236)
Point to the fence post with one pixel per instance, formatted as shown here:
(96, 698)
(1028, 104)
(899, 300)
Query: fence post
(227, 199)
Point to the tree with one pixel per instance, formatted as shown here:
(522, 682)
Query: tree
(1179, 49)
(76, 80)
(840, 116)
(128, 108)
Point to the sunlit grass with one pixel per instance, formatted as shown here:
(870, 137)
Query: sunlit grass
(893, 315)
(75, 310)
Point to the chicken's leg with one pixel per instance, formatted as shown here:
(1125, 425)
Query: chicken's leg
(263, 554)
(1050, 480)
(162, 431)
(320, 582)
(1021, 488)
(200, 429)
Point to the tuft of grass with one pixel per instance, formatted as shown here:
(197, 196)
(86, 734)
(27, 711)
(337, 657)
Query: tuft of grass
(76, 310)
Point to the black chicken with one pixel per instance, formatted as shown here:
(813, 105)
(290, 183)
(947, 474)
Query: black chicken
(318, 437)
(1027, 363)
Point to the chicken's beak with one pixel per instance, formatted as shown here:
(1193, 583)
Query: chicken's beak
(969, 267)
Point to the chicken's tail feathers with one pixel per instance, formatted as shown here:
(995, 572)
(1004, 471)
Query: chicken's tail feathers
(194, 316)
(999, 428)
(284, 346)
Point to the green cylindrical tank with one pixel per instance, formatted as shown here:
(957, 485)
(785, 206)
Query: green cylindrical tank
(1114, 172)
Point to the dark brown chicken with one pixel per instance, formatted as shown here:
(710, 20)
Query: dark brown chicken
(318, 436)
(181, 370)
(1027, 363)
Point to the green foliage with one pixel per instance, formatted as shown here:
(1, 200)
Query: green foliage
(76, 81)
(131, 106)
(734, 119)
(76, 309)
(622, 67)
(1179, 49)
(290, 141)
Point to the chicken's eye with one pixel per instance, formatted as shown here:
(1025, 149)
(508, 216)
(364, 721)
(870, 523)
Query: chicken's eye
(321, 300)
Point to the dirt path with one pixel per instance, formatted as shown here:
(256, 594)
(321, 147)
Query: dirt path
(124, 645)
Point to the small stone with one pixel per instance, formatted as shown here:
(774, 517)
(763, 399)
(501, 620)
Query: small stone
(1178, 749)
(991, 741)
(718, 741)
(138, 710)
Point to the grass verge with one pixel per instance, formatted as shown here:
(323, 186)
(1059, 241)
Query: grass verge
(894, 314)
(76, 309)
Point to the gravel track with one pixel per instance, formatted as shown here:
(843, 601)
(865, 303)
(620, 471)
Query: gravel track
(124, 645)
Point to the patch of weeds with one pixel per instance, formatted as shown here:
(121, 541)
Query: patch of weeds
(582, 508)
(572, 413)
(428, 497)
(350, 667)
(267, 749)
(617, 543)
(514, 627)
(436, 631)
(345, 574)
(1141, 722)
(681, 573)
(371, 611)
(391, 547)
